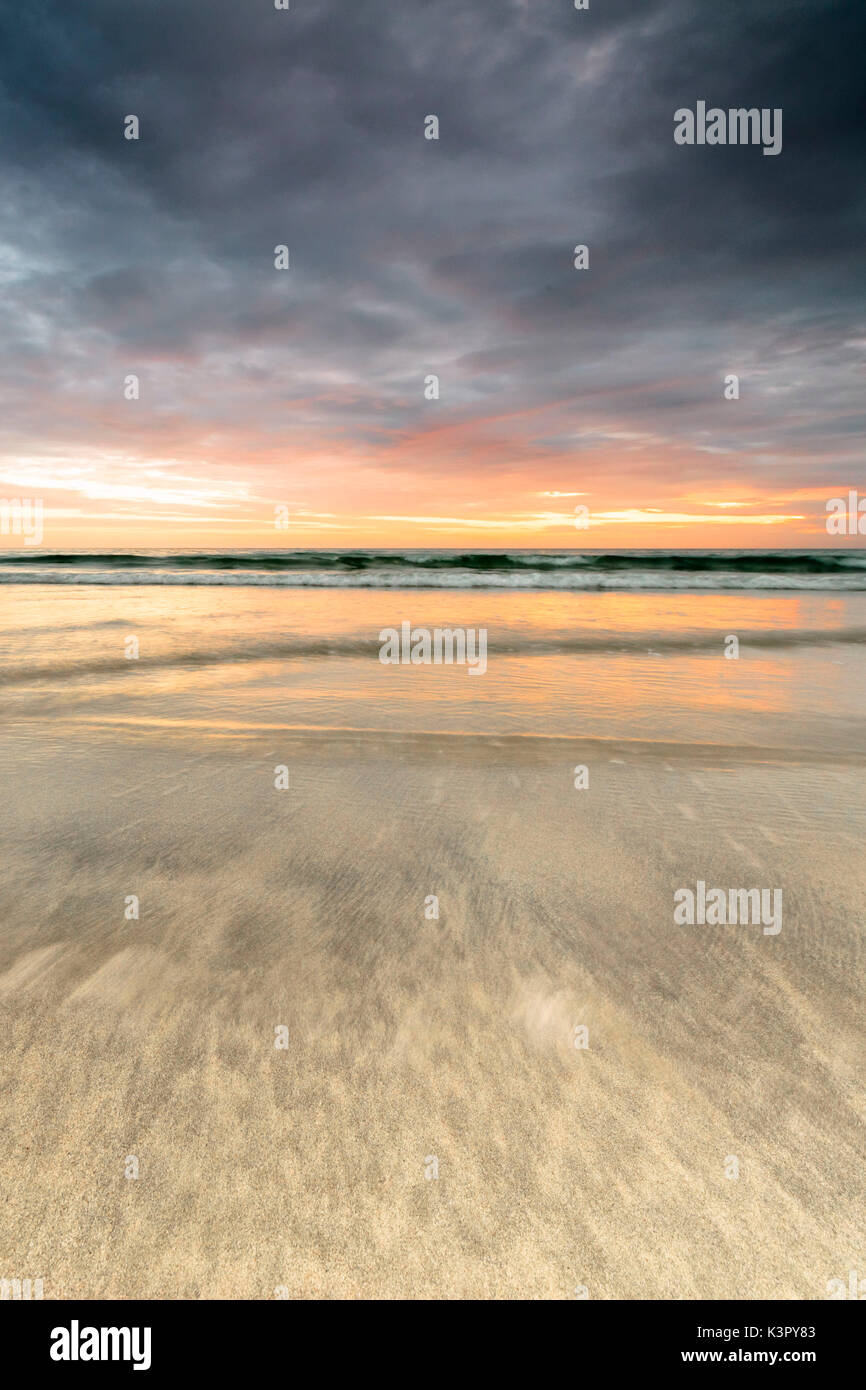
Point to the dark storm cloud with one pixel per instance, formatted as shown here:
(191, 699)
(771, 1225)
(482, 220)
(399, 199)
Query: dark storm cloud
(260, 127)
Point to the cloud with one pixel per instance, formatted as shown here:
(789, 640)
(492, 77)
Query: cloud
(410, 257)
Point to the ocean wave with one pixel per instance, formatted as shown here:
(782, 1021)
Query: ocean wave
(485, 561)
(418, 569)
(634, 581)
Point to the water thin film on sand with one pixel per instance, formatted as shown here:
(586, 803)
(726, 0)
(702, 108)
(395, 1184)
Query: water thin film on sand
(377, 956)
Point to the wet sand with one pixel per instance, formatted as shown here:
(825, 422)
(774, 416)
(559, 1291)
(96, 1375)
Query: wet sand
(411, 1039)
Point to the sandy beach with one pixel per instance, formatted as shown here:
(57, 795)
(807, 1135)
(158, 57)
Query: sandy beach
(430, 1130)
(432, 671)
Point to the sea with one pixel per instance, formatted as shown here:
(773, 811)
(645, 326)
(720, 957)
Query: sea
(563, 570)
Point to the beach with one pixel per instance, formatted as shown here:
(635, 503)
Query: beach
(550, 1089)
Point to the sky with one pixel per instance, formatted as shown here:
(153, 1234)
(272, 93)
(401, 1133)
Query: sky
(303, 389)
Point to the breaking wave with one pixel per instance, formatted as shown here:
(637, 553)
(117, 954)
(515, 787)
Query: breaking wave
(728, 570)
